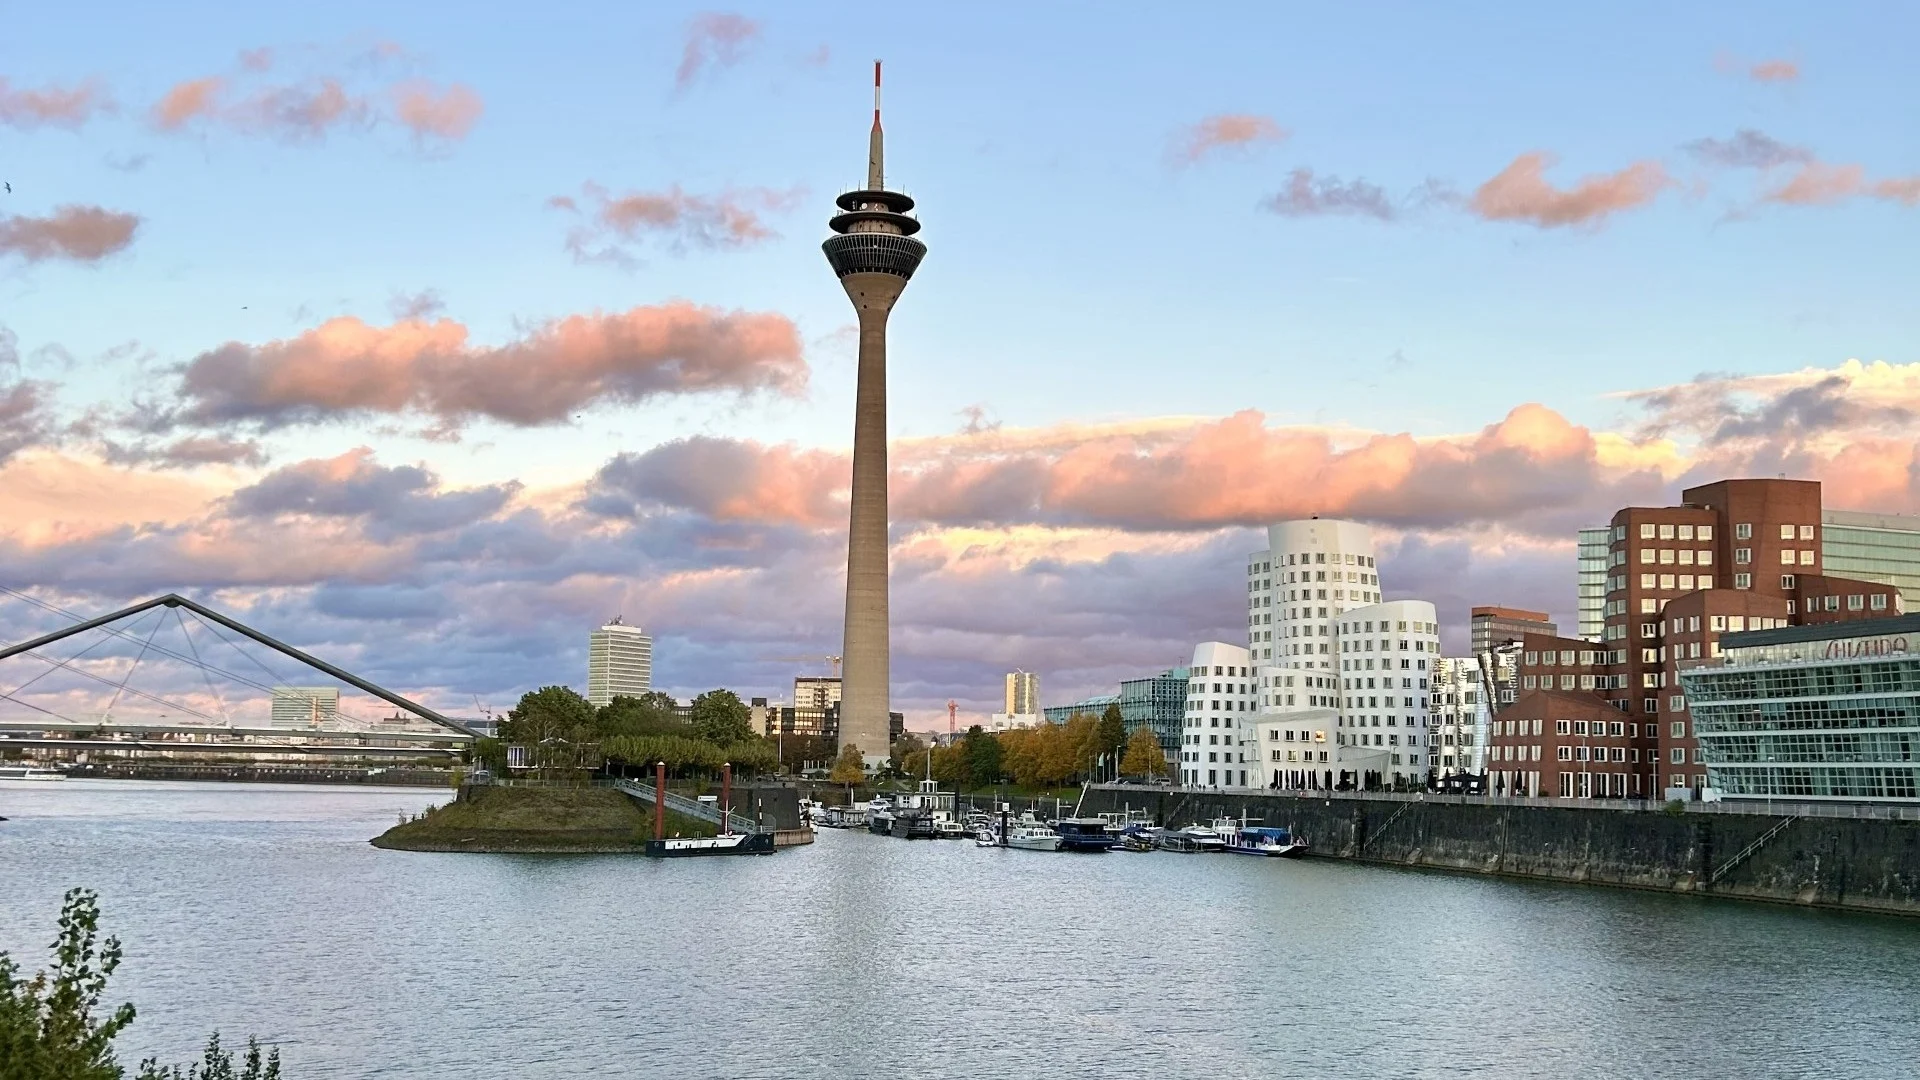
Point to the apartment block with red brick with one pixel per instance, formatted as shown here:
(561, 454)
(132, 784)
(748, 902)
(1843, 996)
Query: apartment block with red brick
(1736, 555)
(1565, 744)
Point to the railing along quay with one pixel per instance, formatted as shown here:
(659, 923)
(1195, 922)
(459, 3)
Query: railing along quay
(1755, 807)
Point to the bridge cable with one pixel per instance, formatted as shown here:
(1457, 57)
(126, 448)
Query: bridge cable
(49, 671)
(133, 667)
(135, 691)
(204, 673)
(36, 708)
(162, 650)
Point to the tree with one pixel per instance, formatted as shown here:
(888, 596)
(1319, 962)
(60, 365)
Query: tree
(719, 716)
(1143, 756)
(48, 1026)
(652, 713)
(849, 767)
(556, 724)
(909, 755)
(1111, 735)
(984, 757)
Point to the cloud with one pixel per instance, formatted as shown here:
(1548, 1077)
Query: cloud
(1306, 196)
(714, 40)
(677, 220)
(1034, 547)
(346, 367)
(1768, 71)
(418, 305)
(52, 106)
(309, 109)
(26, 419)
(187, 101)
(1818, 183)
(192, 451)
(80, 233)
(400, 500)
(725, 480)
(1748, 149)
(427, 113)
(1224, 132)
(1521, 192)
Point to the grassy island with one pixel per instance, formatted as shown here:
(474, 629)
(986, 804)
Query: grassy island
(532, 819)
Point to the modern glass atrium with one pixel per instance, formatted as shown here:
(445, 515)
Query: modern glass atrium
(1783, 720)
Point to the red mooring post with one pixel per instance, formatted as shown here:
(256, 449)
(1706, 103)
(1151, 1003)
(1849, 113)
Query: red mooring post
(726, 798)
(659, 800)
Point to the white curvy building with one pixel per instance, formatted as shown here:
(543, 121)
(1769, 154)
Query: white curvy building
(1222, 702)
(1465, 693)
(1311, 572)
(1340, 678)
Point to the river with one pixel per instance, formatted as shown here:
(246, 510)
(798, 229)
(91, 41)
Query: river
(263, 909)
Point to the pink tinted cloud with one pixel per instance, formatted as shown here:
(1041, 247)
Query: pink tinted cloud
(1819, 183)
(51, 106)
(427, 113)
(1224, 132)
(1768, 71)
(347, 367)
(79, 233)
(1521, 192)
(731, 219)
(715, 39)
(188, 101)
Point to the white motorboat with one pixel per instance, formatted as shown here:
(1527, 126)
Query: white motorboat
(1204, 838)
(28, 772)
(1032, 837)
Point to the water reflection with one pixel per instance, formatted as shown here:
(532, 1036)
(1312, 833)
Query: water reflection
(263, 909)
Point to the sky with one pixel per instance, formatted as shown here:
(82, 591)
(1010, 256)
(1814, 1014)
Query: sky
(428, 337)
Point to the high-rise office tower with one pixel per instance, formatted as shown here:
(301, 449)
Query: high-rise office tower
(874, 254)
(1023, 693)
(619, 662)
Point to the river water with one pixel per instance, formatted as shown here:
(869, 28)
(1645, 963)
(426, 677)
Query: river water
(263, 909)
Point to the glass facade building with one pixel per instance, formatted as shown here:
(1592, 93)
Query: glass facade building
(1873, 547)
(1813, 712)
(1158, 702)
(1593, 582)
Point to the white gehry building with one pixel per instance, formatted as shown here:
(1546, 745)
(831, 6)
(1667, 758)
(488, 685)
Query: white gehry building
(1222, 702)
(1337, 672)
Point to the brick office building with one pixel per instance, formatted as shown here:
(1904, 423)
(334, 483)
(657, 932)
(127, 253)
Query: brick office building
(1740, 554)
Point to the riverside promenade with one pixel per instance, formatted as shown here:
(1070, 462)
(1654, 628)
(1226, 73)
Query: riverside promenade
(1823, 855)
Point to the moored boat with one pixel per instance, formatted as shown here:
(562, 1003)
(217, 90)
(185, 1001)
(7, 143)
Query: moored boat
(29, 772)
(1271, 842)
(734, 844)
(1031, 836)
(1083, 834)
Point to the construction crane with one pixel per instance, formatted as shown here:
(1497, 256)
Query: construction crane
(832, 661)
(953, 713)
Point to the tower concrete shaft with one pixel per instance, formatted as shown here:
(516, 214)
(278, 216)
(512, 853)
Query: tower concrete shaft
(874, 254)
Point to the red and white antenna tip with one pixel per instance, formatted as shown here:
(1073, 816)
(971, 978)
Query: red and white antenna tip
(876, 93)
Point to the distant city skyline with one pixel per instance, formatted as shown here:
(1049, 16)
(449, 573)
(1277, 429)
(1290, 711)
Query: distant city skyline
(428, 342)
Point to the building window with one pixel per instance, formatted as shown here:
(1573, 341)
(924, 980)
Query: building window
(1806, 558)
(1560, 727)
(1743, 531)
(1565, 753)
(1786, 582)
(1786, 532)
(1646, 530)
(1743, 581)
(1742, 556)
(1856, 602)
(1704, 557)
(1831, 603)
(1879, 602)
(1786, 557)
(1679, 755)
(1703, 532)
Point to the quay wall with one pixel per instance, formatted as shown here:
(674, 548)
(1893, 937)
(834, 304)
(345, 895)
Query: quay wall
(1855, 864)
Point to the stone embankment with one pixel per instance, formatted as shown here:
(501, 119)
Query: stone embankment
(1854, 864)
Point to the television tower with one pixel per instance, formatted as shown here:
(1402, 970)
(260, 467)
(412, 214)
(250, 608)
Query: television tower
(873, 253)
